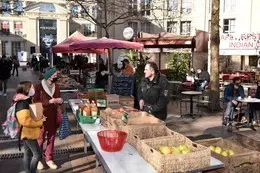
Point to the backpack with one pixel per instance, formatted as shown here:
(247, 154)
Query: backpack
(11, 126)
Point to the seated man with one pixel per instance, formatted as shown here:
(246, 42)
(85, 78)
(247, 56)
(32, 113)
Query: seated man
(231, 93)
(203, 79)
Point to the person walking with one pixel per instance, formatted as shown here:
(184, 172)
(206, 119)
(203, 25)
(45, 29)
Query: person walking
(5, 73)
(48, 93)
(15, 65)
(153, 92)
(29, 129)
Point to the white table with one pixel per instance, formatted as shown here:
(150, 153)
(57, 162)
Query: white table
(191, 94)
(248, 101)
(128, 159)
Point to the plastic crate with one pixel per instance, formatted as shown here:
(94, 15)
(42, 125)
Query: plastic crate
(86, 119)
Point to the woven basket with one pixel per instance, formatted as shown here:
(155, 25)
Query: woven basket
(136, 133)
(199, 157)
(243, 158)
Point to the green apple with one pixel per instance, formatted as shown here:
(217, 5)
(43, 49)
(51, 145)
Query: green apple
(185, 151)
(182, 147)
(175, 150)
(231, 152)
(218, 150)
(212, 148)
(165, 150)
(224, 153)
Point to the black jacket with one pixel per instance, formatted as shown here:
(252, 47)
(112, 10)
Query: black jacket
(155, 96)
(5, 69)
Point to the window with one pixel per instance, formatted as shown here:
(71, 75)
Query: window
(173, 5)
(133, 7)
(16, 47)
(47, 7)
(134, 26)
(146, 27)
(229, 26)
(87, 29)
(186, 6)
(172, 27)
(253, 60)
(18, 27)
(185, 28)
(145, 7)
(229, 6)
(5, 29)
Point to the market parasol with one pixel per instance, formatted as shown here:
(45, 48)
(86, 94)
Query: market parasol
(64, 47)
(105, 43)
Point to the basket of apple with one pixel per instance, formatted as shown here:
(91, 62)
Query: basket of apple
(235, 157)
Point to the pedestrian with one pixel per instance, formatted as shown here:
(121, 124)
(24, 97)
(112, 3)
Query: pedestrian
(231, 93)
(29, 129)
(48, 93)
(15, 65)
(101, 75)
(153, 92)
(5, 73)
(127, 68)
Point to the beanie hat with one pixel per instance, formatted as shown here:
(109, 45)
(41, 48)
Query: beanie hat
(49, 73)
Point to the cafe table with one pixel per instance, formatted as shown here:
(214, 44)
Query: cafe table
(191, 94)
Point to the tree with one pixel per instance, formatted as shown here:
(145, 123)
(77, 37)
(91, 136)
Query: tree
(214, 47)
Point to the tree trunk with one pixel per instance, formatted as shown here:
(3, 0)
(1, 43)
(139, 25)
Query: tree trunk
(214, 47)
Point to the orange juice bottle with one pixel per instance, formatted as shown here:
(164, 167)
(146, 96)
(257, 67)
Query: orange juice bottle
(94, 109)
(87, 109)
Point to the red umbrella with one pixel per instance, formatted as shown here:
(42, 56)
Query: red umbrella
(64, 47)
(105, 43)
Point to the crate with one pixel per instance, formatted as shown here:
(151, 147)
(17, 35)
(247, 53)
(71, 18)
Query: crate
(199, 158)
(86, 119)
(136, 133)
(243, 159)
(127, 101)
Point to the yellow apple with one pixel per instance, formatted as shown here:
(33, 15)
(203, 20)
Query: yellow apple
(231, 152)
(182, 147)
(212, 148)
(224, 153)
(218, 150)
(175, 150)
(165, 150)
(185, 151)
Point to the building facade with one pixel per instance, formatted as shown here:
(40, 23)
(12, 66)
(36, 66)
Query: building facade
(34, 26)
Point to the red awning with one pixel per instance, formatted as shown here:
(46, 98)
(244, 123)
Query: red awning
(64, 47)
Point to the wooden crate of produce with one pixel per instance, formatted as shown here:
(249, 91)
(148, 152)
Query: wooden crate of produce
(127, 101)
(136, 133)
(191, 156)
(240, 160)
(249, 139)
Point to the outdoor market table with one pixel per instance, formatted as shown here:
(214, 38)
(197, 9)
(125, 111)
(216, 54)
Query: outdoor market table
(191, 94)
(128, 159)
(249, 101)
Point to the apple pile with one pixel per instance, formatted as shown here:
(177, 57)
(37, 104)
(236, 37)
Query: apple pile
(221, 151)
(181, 149)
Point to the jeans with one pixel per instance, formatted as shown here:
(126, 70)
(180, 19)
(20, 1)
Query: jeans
(230, 107)
(50, 143)
(32, 155)
(5, 85)
(15, 68)
(203, 85)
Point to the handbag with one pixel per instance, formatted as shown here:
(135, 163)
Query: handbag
(36, 110)
(64, 130)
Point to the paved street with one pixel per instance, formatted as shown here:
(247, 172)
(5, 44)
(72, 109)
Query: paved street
(69, 152)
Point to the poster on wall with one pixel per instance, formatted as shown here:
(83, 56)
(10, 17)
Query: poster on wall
(48, 35)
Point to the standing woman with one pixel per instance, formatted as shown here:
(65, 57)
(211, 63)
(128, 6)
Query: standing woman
(29, 129)
(48, 93)
(5, 73)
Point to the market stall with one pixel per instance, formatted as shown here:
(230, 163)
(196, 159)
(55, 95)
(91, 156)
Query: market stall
(131, 158)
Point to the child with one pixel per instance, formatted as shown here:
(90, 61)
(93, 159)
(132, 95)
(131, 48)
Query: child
(29, 129)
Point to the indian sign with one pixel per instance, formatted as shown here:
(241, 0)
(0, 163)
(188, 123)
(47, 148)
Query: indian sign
(240, 44)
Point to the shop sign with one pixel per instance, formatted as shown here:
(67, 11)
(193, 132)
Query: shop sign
(240, 44)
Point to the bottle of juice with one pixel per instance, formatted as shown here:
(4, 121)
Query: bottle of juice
(87, 109)
(81, 108)
(94, 109)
